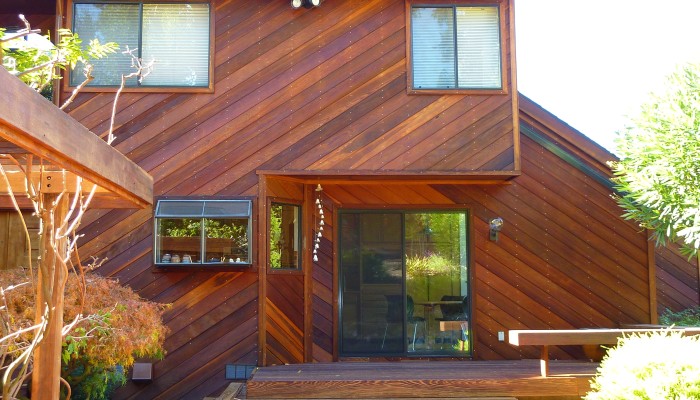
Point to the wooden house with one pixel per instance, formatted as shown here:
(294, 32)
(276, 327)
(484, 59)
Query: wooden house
(359, 180)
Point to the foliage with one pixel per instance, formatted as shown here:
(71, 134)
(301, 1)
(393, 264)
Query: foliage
(39, 68)
(275, 236)
(652, 366)
(96, 354)
(659, 169)
(687, 317)
(214, 228)
(433, 264)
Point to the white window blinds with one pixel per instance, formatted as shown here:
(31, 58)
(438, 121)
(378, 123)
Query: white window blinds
(433, 48)
(174, 35)
(108, 23)
(478, 47)
(456, 47)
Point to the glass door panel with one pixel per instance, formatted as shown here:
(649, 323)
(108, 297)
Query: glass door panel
(437, 281)
(404, 284)
(371, 265)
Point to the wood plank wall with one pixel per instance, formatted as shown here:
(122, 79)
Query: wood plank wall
(564, 258)
(319, 89)
(284, 302)
(325, 90)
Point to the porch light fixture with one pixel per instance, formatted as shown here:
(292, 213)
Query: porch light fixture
(296, 4)
(495, 226)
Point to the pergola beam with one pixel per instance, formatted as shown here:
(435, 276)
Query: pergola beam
(39, 127)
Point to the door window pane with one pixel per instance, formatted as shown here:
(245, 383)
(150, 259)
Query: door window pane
(371, 283)
(404, 284)
(437, 280)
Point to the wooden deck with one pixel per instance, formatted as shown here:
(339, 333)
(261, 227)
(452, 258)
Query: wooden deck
(419, 379)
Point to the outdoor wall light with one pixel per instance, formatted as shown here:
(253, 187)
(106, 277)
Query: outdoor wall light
(296, 4)
(495, 226)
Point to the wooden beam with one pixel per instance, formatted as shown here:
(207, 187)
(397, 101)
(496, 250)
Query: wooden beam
(651, 263)
(36, 125)
(51, 282)
(355, 177)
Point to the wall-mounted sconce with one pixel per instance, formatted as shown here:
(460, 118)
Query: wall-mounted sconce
(495, 226)
(296, 4)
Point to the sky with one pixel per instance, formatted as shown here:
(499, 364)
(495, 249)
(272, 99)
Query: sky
(593, 63)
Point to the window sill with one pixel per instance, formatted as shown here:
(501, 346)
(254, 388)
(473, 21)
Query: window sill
(473, 92)
(142, 89)
(281, 271)
(195, 267)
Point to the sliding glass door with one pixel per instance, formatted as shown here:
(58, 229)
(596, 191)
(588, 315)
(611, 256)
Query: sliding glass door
(404, 283)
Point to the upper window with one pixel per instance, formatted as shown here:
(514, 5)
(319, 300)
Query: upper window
(174, 35)
(456, 47)
(203, 232)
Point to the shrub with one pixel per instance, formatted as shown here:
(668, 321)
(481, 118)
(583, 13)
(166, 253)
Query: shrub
(652, 366)
(98, 352)
(687, 317)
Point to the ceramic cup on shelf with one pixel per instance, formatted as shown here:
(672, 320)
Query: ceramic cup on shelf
(166, 258)
(186, 258)
(175, 258)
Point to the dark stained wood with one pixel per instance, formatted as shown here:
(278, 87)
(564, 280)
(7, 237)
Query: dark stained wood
(445, 379)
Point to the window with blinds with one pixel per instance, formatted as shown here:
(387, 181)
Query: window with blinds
(456, 47)
(174, 35)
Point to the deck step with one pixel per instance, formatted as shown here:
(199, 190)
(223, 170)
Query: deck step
(229, 393)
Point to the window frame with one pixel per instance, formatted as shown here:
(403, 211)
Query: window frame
(503, 39)
(147, 89)
(300, 231)
(205, 266)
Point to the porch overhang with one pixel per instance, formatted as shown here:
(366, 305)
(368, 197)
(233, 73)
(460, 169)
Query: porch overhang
(361, 177)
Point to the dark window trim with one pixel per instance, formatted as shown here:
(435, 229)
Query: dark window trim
(67, 87)
(503, 35)
(285, 271)
(251, 266)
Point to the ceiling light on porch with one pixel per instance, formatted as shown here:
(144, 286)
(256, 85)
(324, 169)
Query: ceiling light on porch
(296, 4)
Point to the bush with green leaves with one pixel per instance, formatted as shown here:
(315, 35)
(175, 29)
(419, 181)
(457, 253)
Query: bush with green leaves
(39, 68)
(658, 174)
(687, 317)
(652, 366)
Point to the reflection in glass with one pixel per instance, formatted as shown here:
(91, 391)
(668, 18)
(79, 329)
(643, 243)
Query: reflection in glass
(284, 236)
(404, 283)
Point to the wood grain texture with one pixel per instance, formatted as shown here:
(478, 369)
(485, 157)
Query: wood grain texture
(321, 95)
(445, 379)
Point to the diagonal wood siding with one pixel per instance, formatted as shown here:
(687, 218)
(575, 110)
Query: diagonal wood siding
(563, 260)
(324, 91)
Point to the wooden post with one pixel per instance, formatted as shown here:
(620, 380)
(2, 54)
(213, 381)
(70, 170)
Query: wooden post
(50, 290)
(544, 361)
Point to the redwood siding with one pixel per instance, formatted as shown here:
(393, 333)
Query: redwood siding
(564, 258)
(323, 91)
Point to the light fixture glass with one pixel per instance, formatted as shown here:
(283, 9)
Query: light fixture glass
(296, 4)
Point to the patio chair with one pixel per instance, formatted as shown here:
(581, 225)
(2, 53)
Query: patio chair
(455, 315)
(394, 315)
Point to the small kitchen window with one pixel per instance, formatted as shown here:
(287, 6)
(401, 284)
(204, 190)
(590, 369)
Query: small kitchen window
(203, 232)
